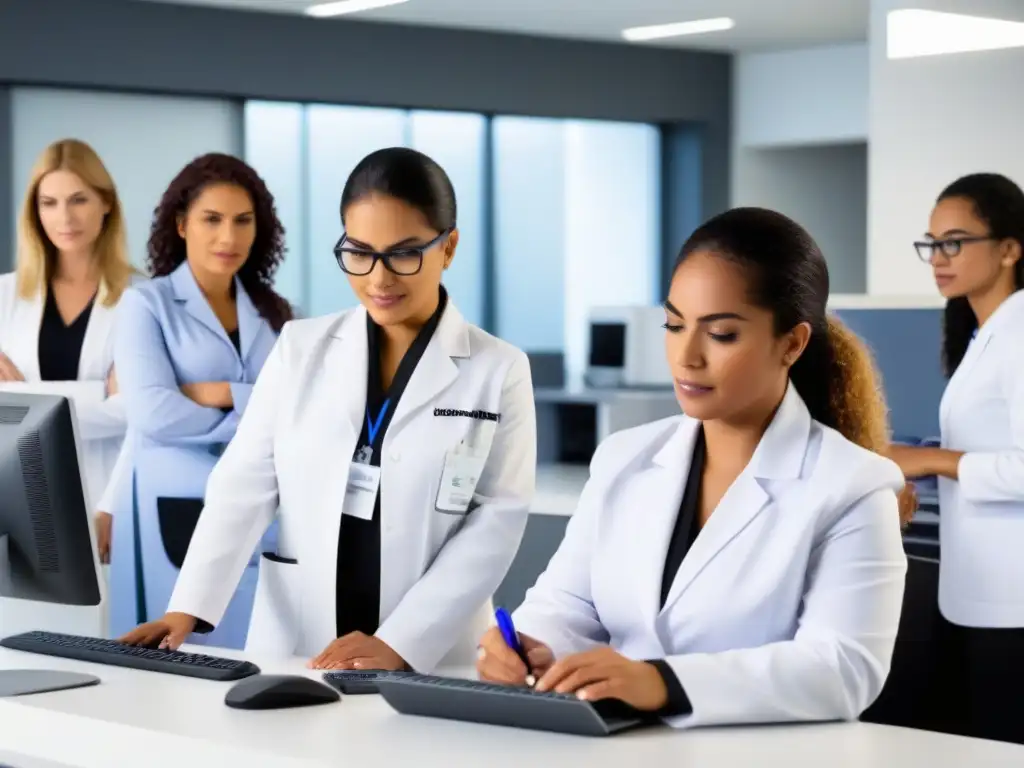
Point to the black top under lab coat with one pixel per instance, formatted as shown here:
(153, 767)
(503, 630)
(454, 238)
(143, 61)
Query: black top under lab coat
(358, 576)
(60, 345)
(686, 530)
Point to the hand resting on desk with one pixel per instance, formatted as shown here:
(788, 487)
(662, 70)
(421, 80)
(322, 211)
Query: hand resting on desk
(358, 651)
(595, 675)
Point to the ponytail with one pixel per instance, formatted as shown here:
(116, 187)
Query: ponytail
(838, 381)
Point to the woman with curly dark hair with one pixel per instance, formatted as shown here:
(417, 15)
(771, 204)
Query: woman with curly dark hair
(190, 344)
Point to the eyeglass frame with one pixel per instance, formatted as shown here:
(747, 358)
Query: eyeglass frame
(386, 256)
(926, 248)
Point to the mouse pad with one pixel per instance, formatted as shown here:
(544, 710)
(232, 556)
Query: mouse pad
(178, 519)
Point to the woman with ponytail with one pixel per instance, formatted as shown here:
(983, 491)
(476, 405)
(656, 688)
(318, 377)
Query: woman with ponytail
(974, 244)
(741, 562)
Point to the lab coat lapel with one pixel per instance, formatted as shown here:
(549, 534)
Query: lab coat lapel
(961, 376)
(1000, 320)
(436, 370)
(250, 323)
(655, 496)
(186, 290)
(345, 361)
(93, 364)
(779, 455)
(339, 402)
(23, 348)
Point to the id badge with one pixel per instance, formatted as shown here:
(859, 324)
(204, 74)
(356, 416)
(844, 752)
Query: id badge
(458, 482)
(361, 490)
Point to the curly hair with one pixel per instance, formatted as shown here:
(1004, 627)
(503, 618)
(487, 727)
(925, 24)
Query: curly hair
(166, 249)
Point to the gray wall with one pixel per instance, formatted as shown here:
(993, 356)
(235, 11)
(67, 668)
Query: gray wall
(825, 188)
(151, 47)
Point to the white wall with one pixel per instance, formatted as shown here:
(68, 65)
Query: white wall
(143, 140)
(799, 146)
(824, 188)
(809, 96)
(933, 119)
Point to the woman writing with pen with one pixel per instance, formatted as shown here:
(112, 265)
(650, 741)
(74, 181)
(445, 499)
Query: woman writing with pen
(742, 562)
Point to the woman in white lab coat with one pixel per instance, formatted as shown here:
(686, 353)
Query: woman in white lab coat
(974, 243)
(741, 562)
(57, 308)
(394, 442)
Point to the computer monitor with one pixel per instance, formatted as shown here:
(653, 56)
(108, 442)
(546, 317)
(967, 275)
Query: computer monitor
(49, 570)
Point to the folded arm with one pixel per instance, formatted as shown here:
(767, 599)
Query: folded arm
(471, 565)
(153, 401)
(838, 660)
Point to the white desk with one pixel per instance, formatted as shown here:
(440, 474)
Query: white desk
(165, 721)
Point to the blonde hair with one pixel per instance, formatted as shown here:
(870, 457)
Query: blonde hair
(37, 256)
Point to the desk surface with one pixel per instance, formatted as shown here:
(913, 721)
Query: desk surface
(159, 720)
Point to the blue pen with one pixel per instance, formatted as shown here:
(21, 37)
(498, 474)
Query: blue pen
(508, 631)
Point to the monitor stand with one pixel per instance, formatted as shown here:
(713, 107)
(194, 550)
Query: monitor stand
(22, 682)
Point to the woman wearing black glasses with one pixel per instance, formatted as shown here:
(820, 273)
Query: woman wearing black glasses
(974, 246)
(395, 444)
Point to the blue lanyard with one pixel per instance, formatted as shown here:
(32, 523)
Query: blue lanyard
(373, 426)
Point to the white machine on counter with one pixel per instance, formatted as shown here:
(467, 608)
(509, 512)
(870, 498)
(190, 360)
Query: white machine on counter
(627, 348)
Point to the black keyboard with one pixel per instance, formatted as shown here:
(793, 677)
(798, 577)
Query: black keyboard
(479, 702)
(360, 681)
(97, 651)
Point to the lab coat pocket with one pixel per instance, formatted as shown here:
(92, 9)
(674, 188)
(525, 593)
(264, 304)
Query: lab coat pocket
(276, 611)
(459, 478)
(464, 464)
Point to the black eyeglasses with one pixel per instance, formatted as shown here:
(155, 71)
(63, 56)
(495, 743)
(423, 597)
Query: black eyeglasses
(403, 261)
(950, 246)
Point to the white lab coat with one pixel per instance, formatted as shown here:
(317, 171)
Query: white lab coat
(101, 419)
(292, 453)
(787, 605)
(981, 571)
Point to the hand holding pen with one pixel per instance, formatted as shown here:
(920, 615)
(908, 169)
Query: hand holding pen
(505, 656)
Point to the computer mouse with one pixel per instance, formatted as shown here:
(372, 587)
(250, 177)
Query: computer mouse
(279, 692)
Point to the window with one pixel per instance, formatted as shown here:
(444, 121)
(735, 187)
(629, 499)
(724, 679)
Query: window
(338, 138)
(274, 147)
(554, 216)
(577, 225)
(457, 141)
